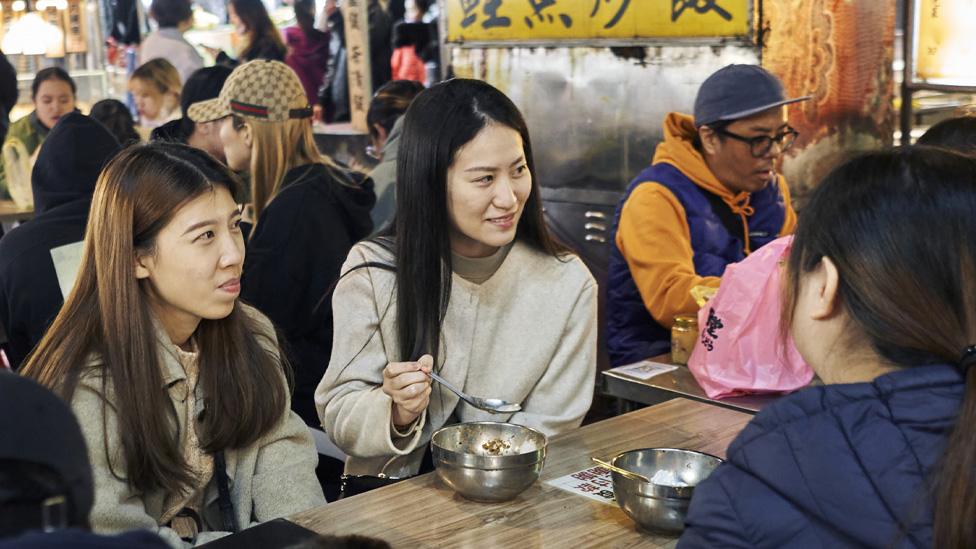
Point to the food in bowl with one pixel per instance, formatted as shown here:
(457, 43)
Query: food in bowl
(488, 461)
(661, 504)
(664, 477)
(495, 446)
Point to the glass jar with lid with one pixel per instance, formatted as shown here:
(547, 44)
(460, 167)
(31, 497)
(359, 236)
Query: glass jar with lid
(684, 333)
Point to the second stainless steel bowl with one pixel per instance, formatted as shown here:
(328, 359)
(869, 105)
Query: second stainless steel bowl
(660, 505)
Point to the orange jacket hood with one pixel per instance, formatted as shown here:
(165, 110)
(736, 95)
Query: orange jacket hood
(677, 150)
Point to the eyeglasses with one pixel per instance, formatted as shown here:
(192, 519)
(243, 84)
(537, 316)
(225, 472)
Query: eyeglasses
(760, 145)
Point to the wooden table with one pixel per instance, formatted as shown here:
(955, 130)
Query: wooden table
(423, 512)
(676, 383)
(9, 211)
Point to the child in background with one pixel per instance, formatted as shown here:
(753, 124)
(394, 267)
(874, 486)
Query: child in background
(156, 88)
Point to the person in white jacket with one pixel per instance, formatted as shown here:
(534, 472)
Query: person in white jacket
(465, 281)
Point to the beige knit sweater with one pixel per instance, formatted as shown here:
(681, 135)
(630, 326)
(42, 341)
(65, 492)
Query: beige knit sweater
(527, 334)
(274, 477)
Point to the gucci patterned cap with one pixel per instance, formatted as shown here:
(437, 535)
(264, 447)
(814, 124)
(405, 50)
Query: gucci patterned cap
(259, 89)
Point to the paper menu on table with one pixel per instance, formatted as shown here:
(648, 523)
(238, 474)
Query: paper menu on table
(593, 483)
(644, 369)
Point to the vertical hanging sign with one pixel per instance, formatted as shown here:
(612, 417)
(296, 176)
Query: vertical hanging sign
(356, 16)
(75, 36)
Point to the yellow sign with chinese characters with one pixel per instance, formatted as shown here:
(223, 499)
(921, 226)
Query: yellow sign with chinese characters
(502, 20)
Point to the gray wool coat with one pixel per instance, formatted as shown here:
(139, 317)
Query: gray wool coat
(274, 477)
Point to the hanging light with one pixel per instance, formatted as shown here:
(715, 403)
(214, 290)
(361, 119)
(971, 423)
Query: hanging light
(32, 35)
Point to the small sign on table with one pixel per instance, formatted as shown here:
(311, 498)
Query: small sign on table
(594, 483)
(644, 369)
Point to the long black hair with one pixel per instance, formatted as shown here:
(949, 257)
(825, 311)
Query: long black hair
(260, 28)
(900, 227)
(305, 17)
(440, 121)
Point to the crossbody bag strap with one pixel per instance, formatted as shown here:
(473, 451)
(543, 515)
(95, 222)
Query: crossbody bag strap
(223, 489)
(729, 219)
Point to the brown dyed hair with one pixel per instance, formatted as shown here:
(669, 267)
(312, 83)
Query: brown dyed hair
(108, 314)
(901, 229)
(276, 148)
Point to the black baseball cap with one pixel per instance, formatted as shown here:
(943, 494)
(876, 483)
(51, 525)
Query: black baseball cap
(738, 91)
(38, 427)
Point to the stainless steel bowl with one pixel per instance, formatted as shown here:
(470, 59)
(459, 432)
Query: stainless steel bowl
(488, 461)
(660, 507)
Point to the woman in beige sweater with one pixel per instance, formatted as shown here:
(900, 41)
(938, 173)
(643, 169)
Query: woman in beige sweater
(467, 282)
(179, 389)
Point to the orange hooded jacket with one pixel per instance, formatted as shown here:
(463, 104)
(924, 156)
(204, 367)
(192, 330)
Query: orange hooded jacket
(653, 234)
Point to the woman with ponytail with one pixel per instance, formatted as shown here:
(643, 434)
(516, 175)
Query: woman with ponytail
(881, 301)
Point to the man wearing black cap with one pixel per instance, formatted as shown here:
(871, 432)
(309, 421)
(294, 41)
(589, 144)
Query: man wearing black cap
(710, 197)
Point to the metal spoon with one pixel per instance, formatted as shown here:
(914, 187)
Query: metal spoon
(629, 474)
(493, 405)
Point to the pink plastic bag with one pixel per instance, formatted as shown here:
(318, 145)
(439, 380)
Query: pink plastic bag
(739, 348)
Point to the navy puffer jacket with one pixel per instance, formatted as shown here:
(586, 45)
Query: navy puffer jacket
(833, 466)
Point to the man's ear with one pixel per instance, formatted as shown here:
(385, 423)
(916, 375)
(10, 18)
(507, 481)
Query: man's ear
(827, 285)
(709, 140)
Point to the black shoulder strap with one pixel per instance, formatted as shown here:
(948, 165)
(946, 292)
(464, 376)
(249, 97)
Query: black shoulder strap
(730, 220)
(223, 491)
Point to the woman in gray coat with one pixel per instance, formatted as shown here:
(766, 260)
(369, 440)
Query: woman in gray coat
(179, 388)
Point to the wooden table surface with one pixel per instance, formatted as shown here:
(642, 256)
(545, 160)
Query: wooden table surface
(676, 383)
(9, 211)
(423, 512)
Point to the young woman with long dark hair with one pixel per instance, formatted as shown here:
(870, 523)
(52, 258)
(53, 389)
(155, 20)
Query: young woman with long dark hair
(179, 389)
(465, 281)
(881, 301)
(261, 38)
